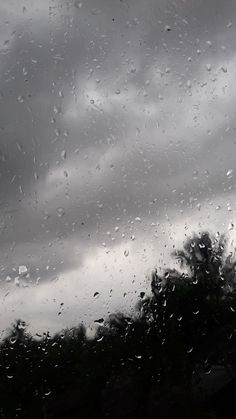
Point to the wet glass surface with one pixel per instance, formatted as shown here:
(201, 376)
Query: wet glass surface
(117, 208)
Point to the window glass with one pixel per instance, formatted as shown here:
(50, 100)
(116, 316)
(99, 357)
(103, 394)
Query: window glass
(117, 208)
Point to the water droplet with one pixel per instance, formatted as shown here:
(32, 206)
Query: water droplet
(138, 219)
(13, 340)
(20, 99)
(100, 321)
(116, 229)
(231, 226)
(229, 173)
(208, 67)
(207, 371)
(8, 278)
(47, 393)
(199, 206)
(126, 252)
(57, 110)
(63, 154)
(78, 4)
(117, 91)
(189, 84)
(19, 146)
(60, 211)
(167, 28)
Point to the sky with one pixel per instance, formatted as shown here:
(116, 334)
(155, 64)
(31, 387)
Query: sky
(117, 125)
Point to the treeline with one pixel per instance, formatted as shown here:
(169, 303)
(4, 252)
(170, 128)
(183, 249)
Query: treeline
(174, 359)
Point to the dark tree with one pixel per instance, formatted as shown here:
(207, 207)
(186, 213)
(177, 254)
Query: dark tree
(142, 366)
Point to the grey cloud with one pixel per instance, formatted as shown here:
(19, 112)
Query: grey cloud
(137, 141)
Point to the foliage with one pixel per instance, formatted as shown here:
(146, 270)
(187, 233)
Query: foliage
(134, 366)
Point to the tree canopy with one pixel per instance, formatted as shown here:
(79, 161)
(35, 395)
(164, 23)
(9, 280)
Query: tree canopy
(140, 366)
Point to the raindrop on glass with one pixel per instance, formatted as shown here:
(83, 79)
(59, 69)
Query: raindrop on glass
(60, 211)
(126, 252)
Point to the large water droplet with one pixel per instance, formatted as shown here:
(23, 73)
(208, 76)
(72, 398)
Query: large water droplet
(13, 340)
(99, 321)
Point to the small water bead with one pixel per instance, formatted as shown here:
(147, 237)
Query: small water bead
(63, 154)
(60, 211)
(229, 173)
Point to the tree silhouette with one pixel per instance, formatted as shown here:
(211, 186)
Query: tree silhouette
(191, 313)
(141, 366)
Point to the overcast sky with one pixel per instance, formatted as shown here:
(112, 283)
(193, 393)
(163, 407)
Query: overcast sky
(117, 124)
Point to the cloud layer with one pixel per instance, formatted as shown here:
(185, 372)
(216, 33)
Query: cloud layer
(117, 139)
